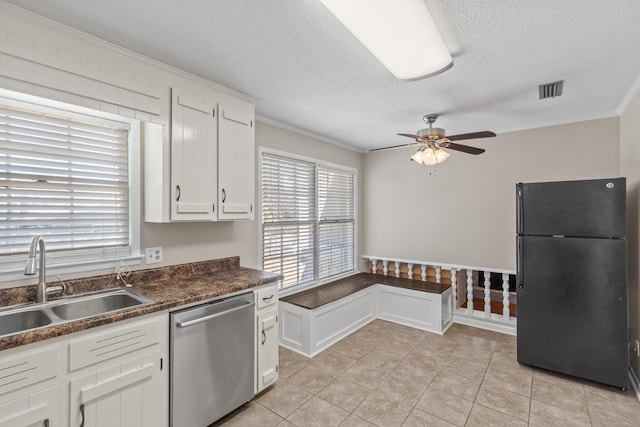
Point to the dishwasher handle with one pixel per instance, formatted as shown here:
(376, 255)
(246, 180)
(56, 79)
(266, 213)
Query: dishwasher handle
(213, 316)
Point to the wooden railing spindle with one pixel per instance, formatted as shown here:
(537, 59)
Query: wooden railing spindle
(505, 296)
(469, 292)
(487, 294)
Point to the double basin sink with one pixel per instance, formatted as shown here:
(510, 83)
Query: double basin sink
(32, 316)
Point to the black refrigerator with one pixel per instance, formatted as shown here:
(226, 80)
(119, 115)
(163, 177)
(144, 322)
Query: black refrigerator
(572, 278)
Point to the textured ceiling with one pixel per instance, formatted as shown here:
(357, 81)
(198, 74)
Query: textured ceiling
(309, 72)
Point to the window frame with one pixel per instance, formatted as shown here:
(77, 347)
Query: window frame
(318, 163)
(83, 260)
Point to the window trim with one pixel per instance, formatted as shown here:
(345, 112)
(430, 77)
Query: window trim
(296, 288)
(64, 262)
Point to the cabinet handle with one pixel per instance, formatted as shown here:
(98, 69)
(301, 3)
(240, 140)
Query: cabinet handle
(224, 195)
(82, 413)
(213, 207)
(264, 337)
(250, 208)
(267, 299)
(46, 422)
(177, 193)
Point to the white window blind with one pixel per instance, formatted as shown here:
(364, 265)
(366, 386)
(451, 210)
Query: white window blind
(336, 208)
(288, 218)
(64, 177)
(308, 219)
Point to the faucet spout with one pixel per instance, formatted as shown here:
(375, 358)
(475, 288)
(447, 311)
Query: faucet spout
(37, 242)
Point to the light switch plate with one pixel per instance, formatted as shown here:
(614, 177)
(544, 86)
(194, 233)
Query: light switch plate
(153, 255)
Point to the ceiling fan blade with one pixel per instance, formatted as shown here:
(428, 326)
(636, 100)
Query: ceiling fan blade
(472, 135)
(411, 144)
(465, 148)
(410, 135)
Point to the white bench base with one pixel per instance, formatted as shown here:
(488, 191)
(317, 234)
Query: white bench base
(309, 332)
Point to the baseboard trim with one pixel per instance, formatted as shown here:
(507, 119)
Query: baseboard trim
(479, 322)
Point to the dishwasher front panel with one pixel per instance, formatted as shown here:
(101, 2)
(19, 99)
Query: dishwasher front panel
(212, 360)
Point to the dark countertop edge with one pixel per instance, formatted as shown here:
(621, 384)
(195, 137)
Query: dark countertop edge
(219, 287)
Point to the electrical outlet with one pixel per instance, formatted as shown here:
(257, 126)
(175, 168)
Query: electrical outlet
(153, 255)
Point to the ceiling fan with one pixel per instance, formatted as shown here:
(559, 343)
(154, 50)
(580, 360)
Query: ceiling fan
(432, 141)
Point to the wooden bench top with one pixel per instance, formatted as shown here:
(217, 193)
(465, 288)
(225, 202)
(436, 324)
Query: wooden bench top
(333, 291)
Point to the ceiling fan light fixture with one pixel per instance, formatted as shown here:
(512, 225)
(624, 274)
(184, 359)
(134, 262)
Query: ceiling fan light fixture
(400, 33)
(430, 156)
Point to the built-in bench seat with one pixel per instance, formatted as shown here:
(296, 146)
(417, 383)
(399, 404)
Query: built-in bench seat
(316, 318)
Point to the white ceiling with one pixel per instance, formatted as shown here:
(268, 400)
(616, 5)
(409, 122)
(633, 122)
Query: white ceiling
(309, 72)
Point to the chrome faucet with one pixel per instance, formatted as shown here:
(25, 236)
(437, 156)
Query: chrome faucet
(41, 290)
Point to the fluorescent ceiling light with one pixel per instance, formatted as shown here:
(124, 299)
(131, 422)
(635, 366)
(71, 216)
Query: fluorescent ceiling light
(400, 33)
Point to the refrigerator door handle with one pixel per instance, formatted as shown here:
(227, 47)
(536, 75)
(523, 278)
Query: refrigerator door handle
(519, 208)
(519, 272)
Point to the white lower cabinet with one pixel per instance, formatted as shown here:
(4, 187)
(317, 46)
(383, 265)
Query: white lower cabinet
(128, 393)
(29, 387)
(114, 375)
(266, 337)
(119, 377)
(38, 408)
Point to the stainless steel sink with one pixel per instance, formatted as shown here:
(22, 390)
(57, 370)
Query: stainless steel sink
(18, 321)
(93, 305)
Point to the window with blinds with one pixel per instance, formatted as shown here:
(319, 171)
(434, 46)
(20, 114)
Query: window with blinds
(64, 176)
(308, 219)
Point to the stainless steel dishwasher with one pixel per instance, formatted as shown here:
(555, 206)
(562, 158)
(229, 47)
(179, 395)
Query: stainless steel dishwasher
(212, 360)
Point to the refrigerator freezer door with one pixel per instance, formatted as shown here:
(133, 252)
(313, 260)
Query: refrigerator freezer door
(572, 307)
(590, 208)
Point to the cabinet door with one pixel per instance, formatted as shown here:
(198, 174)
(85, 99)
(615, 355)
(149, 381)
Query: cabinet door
(194, 144)
(35, 409)
(126, 394)
(236, 165)
(267, 346)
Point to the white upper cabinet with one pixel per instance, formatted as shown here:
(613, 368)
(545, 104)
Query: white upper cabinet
(202, 167)
(236, 161)
(194, 145)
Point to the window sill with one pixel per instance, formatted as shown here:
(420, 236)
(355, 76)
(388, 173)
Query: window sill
(12, 274)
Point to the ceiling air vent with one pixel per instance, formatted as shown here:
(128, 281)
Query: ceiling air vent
(550, 90)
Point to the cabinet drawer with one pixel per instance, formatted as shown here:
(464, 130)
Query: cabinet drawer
(115, 342)
(27, 369)
(266, 297)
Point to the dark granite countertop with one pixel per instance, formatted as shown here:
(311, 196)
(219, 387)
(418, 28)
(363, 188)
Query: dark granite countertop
(168, 287)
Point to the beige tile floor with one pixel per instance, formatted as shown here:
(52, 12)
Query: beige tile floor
(391, 375)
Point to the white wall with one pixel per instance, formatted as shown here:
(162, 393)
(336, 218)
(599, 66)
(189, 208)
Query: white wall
(629, 167)
(46, 59)
(463, 211)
